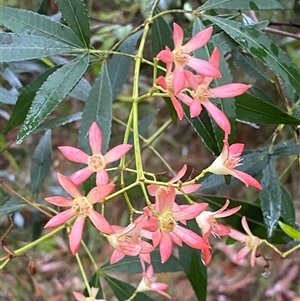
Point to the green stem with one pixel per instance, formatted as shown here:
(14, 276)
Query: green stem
(83, 275)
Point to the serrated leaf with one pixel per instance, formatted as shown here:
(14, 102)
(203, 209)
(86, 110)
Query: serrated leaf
(25, 21)
(246, 63)
(286, 148)
(25, 99)
(82, 90)
(224, 43)
(253, 109)
(289, 230)
(98, 108)
(124, 290)
(52, 92)
(119, 66)
(287, 207)
(260, 46)
(10, 76)
(20, 47)
(58, 121)
(270, 197)
(245, 4)
(75, 14)
(191, 261)
(41, 163)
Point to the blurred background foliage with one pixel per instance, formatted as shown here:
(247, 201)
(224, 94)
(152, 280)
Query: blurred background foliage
(112, 20)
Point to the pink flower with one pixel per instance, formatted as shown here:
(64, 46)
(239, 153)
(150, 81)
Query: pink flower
(81, 207)
(227, 161)
(128, 241)
(81, 297)
(181, 57)
(96, 162)
(201, 94)
(167, 83)
(148, 283)
(251, 242)
(165, 227)
(154, 189)
(206, 221)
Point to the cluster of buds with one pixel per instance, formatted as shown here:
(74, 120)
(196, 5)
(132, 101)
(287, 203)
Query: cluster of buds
(162, 223)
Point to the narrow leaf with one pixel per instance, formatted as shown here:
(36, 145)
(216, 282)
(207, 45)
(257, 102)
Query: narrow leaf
(41, 163)
(246, 63)
(202, 126)
(287, 208)
(260, 46)
(58, 121)
(75, 14)
(193, 267)
(98, 107)
(286, 148)
(20, 47)
(10, 204)
(270, 197)
(124, 290)
(82, 90)
(244, 4)
(52, 92)
(119, 66)
(252, 109)
(289, 230)
(25, 21)
(25, 99)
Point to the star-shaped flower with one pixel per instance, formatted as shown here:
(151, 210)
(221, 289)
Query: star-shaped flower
(81, 208)
(97, 161)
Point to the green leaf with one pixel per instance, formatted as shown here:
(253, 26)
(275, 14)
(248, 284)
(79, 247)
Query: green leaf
(161, 35)
(58, 121)
(225, 43)
(252, 109)
(41, 163)
(131, 264)
(25, 99)
(246, 63)
(54, 89)
(287, 208)
(124, 290)
(82, 90)
(119, 66)
(289, 230)
(95, 282)
(75, 14)
(98, 108)
(260, 46)
(244, 4)
(202, 126)
(25, 21)
(195, 270)
(20, 47)
(286, 148)
(10, 204)
(270, 197)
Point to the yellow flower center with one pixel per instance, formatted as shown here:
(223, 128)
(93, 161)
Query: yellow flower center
(169, 83)
(202, 94)
(96, 162)
(167, 222)
(81, 206)
(232, 162)
(180, 56)
(252, 242)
